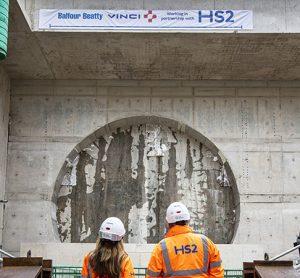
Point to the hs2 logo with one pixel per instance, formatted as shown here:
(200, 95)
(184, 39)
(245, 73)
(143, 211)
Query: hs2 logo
(186, 249)
(217, 16)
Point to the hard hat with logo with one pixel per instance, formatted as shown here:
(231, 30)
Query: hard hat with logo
(112, 229)
(177, 212)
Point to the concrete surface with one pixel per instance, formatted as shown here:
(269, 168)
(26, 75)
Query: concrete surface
(248, 106)
(4, 110)
(269, 16)
(71, 254)
(269, 53)
(151, 162)
(254, 124)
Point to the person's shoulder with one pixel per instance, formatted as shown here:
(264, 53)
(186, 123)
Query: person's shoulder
(125, 256)
(202, 236)
(158, 246)
(196, 234)
(206, 239)
(164, 240)
(126, 260)
(87, 255)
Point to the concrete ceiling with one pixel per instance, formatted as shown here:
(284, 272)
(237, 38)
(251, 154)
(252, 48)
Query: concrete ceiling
(179, 56)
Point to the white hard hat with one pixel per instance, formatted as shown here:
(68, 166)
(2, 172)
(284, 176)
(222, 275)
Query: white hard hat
(112, 228)
(177, 212)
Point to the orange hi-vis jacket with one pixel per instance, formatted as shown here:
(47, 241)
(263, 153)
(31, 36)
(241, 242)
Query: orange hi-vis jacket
(185, 254)
(126, 272)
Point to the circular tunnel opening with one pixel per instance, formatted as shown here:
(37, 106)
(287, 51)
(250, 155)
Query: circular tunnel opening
(133, 169)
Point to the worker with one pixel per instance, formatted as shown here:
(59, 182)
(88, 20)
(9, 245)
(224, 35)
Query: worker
(183, 253)
(109, 258)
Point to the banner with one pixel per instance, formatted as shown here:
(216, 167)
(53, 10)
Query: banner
(145, 19)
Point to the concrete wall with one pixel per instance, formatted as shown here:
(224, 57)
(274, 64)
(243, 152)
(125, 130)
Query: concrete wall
(27, 8)
(4, 110)
(72, 254)
(255, 124)
(269, 16)
(151, 162)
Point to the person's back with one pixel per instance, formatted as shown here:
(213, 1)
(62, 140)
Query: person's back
(109, 259)
(183, 253)
(126, 269)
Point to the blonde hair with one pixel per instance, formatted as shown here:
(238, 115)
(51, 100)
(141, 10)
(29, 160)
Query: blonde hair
(107, 258)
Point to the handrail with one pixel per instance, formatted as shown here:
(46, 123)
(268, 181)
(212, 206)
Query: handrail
(284, 253)
(6, 254)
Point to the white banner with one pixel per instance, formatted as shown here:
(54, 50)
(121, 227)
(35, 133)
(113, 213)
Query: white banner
(145, 19)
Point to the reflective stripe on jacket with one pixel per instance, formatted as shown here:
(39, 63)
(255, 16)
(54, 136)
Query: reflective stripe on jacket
(127, 269)
(185, 254)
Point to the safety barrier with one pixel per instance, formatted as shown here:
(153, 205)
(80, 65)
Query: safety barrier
(3, 28)
(74, 272)
(233, 273)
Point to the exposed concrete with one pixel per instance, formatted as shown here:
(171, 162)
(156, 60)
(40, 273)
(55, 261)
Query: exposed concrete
(26, 7)
(22, 45)
(150, 164)
(4, 118)
(233, 255)
(156, 56)
(269, 16)
(254, 124)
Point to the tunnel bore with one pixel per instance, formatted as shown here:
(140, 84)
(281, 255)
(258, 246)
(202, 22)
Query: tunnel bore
(134, 173)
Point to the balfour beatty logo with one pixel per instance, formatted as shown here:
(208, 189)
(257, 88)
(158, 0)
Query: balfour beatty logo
(69, 15)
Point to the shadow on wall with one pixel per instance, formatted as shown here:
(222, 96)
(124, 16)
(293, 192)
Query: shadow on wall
(133, 169)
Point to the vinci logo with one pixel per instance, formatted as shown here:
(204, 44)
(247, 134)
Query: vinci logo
(124, 15)
(150, 16)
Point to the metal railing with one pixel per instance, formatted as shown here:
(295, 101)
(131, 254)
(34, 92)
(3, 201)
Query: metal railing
(74, 272)
(297, 266)
(5, 254)
(285, 253)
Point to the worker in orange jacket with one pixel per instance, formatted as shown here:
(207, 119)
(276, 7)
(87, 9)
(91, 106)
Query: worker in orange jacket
(183, 253)
(109, 258)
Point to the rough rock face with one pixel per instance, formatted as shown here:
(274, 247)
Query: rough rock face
(134, 174)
